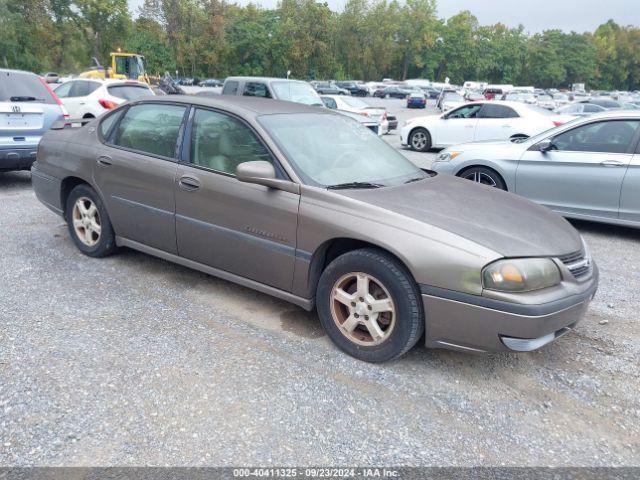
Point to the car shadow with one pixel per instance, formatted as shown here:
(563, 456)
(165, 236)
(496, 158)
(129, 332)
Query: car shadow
(15, 179)
(620, 231)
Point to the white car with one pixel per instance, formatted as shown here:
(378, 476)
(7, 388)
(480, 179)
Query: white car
(350, 104)
(491, 120)
(90, 97)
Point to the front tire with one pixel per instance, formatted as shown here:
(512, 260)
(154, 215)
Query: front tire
(420, 140)
(88, 222)
(370, 306)
(484, 176)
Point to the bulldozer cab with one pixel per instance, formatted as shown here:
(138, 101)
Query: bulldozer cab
(128, 65)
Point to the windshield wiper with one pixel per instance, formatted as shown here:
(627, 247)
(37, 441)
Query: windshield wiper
(346, 185)
(25, 99)
(417, 179)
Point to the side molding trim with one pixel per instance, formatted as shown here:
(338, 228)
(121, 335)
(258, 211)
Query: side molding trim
(305, 303)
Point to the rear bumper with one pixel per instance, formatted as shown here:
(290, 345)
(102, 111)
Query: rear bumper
(471, 323)
(47, 189)
(17, 158)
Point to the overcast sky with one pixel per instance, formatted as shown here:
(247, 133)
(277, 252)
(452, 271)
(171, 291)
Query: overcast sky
(535, 15)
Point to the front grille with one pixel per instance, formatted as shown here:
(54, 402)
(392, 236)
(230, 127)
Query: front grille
(578, 263)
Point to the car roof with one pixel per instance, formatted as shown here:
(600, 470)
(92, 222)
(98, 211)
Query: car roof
(10, 70)
(247, 106)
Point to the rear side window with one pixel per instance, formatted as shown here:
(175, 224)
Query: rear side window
(230, 88)
(107, 123)
(256, 89)
(23, 87)
(129, 92)
(151, 128)
(497, 111)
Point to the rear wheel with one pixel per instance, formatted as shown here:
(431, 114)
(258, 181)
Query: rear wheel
(420, 140)
(88, 222)
(370, 306)
(485, 176)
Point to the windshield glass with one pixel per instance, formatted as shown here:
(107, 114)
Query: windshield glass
(298, 92)
(23, 87)
(354, 102)
(545, 134)
(326, 149)
(453, 97)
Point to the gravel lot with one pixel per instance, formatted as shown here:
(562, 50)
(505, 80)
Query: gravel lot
(131, 360)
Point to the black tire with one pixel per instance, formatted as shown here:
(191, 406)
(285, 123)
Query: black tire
(408, 316)
(106, 240)
(420, 140)
(485, 176)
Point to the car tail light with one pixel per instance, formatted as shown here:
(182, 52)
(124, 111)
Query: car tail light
(557, 123)
(365, 114)
(108, 104)
(55, 97)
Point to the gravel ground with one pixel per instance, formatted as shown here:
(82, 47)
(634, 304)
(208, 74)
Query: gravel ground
(131, 360)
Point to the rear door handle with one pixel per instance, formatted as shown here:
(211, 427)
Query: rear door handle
(104, 160)
(189, 183)
(612, 163)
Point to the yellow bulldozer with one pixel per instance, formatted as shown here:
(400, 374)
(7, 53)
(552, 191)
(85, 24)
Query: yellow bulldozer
(124, 66)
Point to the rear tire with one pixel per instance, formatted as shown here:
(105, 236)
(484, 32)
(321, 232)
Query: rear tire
(88, 222)
(485, 176)
(369, 305)
(420, 140)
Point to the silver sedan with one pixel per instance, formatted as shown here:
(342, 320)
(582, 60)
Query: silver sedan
(586, 169)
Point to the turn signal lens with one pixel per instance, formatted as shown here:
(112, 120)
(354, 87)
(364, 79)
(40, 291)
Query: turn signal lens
(521, 275)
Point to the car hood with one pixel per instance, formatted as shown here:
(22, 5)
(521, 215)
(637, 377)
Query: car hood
(505, 223)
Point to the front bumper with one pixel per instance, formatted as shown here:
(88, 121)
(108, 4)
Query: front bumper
(472, 323)
(17, 158)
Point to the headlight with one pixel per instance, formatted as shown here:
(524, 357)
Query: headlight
(520, 275)
(447, 156)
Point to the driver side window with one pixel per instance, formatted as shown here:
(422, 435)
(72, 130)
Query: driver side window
(614, 136)
(468, 111)
(221, 142)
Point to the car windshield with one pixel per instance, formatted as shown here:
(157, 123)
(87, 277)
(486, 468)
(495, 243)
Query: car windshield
(327, 150)
(453, 97)
(355, 102)
(298, 92)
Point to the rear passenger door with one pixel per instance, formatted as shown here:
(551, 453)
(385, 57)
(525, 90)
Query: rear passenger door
(245, 229)
(135, 170)
(496, 122)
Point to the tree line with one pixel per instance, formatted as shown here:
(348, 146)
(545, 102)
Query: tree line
(368, 40)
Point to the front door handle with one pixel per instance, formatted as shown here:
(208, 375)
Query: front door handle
(612, 163)
(104, 160)
(189, 183)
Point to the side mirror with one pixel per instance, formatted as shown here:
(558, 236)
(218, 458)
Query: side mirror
(263, 173)
(545, 145)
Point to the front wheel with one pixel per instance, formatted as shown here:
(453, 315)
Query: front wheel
(420, 140)
(369, 305)
(485, 176)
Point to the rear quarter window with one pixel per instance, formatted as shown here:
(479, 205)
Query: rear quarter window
(23, 86)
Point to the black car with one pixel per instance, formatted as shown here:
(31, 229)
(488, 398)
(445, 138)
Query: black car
(354, 89)
(392, 92)
(329, 88)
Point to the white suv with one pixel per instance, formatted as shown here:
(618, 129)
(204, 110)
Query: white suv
(89, 98)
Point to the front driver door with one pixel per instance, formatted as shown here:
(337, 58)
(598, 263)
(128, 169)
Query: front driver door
(245, 229)
(457, 126)
(135, 172)
(582, 174)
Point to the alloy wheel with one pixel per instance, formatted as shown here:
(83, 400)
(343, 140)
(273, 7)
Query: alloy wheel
(419, 140)
(362, 309)
(86, 221)
(481, 177)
